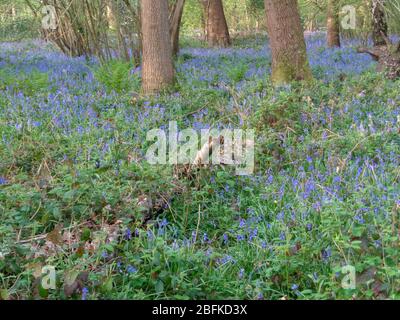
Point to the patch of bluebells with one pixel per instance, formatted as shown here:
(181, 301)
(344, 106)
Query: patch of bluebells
(72, 109)
(3, 181)
(227, 259)
(205, 67)
(162, 227)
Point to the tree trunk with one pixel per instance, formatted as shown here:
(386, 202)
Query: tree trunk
(13, 12)
(333, 24)
(110, 13)
(175, 24)
(217, 28)
(204, 19)
(380, 27)
(157, 69)
(134, 11)
(288, 47)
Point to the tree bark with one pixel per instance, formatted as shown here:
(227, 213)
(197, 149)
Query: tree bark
(157, 66)
(110, 8)
(288, 47)
(175, 24)
(13, 12)
(333, 24)
(204, 19)
(380, 27)
(136, 15)
(217, 28)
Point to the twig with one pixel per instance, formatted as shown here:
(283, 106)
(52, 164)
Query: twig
(198, 225)
(43, 236)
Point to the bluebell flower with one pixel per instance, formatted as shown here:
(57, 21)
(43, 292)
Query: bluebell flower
(226, 259)
(128, 234)
(326, 254)
(264, 244)
(131, 269)
(359, 218)
(85, 292)
(175, 245)
(225, 238)
(163, 223)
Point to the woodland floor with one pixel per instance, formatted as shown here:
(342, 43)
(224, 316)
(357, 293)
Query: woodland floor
(325, 194)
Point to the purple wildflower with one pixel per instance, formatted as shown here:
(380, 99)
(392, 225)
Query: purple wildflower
(85, 292)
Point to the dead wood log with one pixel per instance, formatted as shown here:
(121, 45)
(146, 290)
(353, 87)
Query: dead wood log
(388, 58)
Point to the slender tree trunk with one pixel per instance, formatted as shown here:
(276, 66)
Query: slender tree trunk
(217, 28)
(13, 12)
(286, 36)
(114, 15)
(380, 27)
(157, 70)
(204, 19)
(333, 24)
(248, 27)
(137, 38)
(110, 12)
(175, 24)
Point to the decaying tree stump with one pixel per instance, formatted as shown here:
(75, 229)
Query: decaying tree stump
(388, 57)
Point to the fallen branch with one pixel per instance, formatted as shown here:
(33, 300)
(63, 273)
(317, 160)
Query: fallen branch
(388, 58)
(369, 51)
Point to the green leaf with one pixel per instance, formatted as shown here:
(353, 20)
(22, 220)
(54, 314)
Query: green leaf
(159, 287)
(4, 294)
(108, 285)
